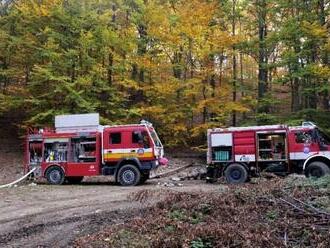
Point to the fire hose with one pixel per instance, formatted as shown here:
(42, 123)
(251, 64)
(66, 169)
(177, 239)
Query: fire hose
(18, 180)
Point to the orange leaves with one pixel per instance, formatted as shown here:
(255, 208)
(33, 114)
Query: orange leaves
(179, 22)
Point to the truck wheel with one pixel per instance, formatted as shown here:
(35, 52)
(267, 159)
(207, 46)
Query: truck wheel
(129, 175)
(55, 175)
(236, 173)
(74, 180)
(317, 169)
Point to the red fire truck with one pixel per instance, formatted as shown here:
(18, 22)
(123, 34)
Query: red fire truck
(80, 147)
(240, 152)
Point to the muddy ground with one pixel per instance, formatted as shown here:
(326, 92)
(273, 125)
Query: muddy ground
(40, 215)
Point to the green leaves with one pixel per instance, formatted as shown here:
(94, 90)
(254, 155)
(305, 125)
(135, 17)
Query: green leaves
(171, 62)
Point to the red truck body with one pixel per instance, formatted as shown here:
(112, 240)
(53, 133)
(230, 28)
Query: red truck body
(240, 152)
(128, 152)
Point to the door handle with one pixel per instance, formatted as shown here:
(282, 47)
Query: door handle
(133, 150)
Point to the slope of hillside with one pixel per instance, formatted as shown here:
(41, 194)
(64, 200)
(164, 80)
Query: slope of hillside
(11, 152)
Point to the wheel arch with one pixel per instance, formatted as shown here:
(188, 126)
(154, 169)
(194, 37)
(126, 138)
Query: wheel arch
(51, 166)
(317, 157)
(240, 163)
(133, 161)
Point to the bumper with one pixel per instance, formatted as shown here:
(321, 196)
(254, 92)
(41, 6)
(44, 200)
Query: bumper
(163, 161)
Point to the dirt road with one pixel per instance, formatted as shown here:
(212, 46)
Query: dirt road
(47, 216)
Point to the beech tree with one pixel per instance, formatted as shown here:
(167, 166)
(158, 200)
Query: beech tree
(184, 65)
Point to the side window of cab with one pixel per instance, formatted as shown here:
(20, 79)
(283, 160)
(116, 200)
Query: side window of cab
(303, 137)
(140, 139)
(115, 138)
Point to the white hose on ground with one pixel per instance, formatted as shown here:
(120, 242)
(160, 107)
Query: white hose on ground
(18, 180)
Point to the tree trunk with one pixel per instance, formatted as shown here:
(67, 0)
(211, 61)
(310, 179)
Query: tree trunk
(295, 96)
(325, 55)
(263, 56)
(234, 62)
(110, 68)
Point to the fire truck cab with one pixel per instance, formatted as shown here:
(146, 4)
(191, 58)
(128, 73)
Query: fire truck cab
(80, 147)
(238, 153)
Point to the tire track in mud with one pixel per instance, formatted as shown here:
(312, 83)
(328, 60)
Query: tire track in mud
(60, 233)
(56, 210)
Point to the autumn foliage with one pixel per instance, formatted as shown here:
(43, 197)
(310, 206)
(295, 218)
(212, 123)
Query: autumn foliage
(184, 65)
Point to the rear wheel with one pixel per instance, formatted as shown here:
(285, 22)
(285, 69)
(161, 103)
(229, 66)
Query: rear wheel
(74, 180)
(129, 175)
(236, 173)
(55, 175)
(317, 169)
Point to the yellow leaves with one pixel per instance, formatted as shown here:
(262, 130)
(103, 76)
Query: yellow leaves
(129, 84)
(220, 106)
(187, 20)
(327, 46)
(320, 71)
(146, 62)
(39, 8)
(235, 106)
(200, 129)
(195, 16)
(87, 38)
(314, 30)
(168, 88)
(153, 110)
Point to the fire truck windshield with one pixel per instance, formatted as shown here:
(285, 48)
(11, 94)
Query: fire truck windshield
(155, 138)
(324, 138)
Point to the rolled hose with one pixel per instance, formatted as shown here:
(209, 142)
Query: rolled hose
(18, 180)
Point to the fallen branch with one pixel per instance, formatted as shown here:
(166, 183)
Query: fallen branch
(315, 210)
(292, 205)
(318, 211)
(169, 173)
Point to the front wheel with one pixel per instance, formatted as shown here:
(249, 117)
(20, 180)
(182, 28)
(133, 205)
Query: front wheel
(129, 175)
(55, 175)
(317, 169)
(236, 173)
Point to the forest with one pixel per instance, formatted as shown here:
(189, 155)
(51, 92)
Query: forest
(185, 65)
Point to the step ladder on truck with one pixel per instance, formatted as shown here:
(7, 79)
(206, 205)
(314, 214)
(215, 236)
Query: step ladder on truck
(79, 146)
(237, 153)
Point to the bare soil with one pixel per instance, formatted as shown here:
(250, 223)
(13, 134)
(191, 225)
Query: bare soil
(41, 215)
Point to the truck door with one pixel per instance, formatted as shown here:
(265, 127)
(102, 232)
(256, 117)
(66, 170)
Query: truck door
(302, 144)
(141, 144)
(115, 145)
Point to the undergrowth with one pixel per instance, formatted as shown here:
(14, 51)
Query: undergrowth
(275, 213)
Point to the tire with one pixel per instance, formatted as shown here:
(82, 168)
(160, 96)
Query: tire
(55, 175)
(317, 169)
(74, 180)
(236, 173)
(129, 175)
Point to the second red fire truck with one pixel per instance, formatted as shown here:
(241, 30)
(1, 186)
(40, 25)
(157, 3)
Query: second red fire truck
(240, 152)
(80, 147)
